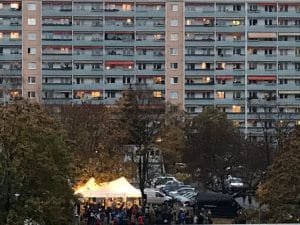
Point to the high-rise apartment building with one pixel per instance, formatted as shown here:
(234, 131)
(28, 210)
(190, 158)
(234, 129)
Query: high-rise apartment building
(241, 56)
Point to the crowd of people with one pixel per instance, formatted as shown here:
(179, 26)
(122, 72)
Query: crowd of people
(134, 214)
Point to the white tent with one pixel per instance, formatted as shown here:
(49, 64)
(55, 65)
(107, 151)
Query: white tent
(117, 188)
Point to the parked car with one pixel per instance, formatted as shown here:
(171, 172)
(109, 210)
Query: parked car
(182, 199)
(156, 196)
(162, 180)
(182, 191)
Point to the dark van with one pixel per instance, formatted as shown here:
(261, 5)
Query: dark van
(220, 205)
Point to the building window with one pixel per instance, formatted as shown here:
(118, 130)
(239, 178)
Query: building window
(174, 7)
(173, 95)
(157, 94)
(111, 94)
(174, 23)
(14, 35)
(31, 51)
(31, 6)
(173, 51)
(31, 80)
(31, 36)
(174, 80)
(31, 94)
(15, 6)
(253, 22)
(1, 35)
(220, 94)
(174, 37)
(236, 108)
(31, 21)
(32, 66)
(174, 66)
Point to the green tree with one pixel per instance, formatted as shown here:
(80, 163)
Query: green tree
(95, 139)
(213, 146)
(141, 116)
(281, 189)
(35, 167)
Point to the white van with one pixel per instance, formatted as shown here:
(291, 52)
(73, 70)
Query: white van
(155, 196)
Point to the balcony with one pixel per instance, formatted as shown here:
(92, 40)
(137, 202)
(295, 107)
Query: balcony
(195, 72)
(150, 72)
(198, 86)
(88, 13)
(200, 57)
(160, 43)
(230, 28)
(88, 72)
(93, 86)
(118, 12)
(203, 42)
(149, 13)
(57, 72)
(51, 12)
(56, 87)
(199, 101)
(199, 28)
(10, 57)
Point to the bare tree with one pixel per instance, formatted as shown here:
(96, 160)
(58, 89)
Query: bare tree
(141, 115)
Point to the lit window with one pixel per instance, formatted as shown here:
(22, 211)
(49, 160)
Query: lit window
(14, 94)
(174, 37)
(31, 94)
(173, 51)
(31, 21)
(1, 5)
(157, 36)
(157, 94)
(31, 66)
(126, 7)
(31, 36)
(14, 5)
(31, 51)
(1, 35)
(157, 80)
(220, 94)
(174, 7)
(31, 80)
(174, 23)
(236, 108)
(14, 35)
(298, 122)
(189, 22)
(203, 66)
(64, 50)
(31, 6)
(96, 94)
(236, 22)
(173, 95)
(236, 123)
(174, 80)
(206, 79)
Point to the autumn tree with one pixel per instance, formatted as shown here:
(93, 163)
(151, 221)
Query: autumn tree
(213, 146)
(172, 139)
(35, 167)
(95, 139)
(280, 190)
(141, 116)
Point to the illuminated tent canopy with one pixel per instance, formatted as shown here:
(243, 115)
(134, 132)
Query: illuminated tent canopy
(117, 188)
